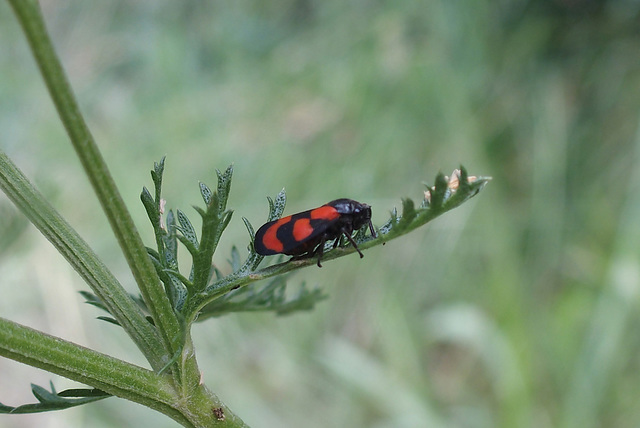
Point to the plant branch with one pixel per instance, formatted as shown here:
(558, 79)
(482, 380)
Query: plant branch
(447, 194)
(76, 251)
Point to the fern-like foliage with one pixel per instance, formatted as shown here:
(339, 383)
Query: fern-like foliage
(447, 193)
(262, 298)
(215, 217)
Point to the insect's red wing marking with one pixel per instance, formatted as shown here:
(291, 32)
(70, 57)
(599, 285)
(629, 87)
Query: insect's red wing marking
(270, 241)
(308, 225)
(302, 229)
(325, 212)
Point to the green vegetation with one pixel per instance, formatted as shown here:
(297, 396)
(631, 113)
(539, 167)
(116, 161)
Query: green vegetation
(517, 309)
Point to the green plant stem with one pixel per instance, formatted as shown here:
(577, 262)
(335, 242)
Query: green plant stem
(30, 18)
(76, 251)
(113, 376)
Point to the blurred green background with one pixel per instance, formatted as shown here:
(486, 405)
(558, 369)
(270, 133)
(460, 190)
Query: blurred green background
(518, 309)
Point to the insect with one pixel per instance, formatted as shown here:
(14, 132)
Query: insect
(304, 234)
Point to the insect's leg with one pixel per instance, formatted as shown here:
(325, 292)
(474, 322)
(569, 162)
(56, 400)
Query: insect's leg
(320, 250)
(348, 235)
(373, 231)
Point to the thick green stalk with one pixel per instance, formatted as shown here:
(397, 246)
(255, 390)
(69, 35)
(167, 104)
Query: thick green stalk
(30, 18)
(183, 398)
(84, 365)
(199, 408)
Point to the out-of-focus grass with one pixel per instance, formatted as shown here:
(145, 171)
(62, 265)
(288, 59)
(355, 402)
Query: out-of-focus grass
(518, 309)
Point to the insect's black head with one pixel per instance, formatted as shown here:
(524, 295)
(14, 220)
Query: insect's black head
(359, 213)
